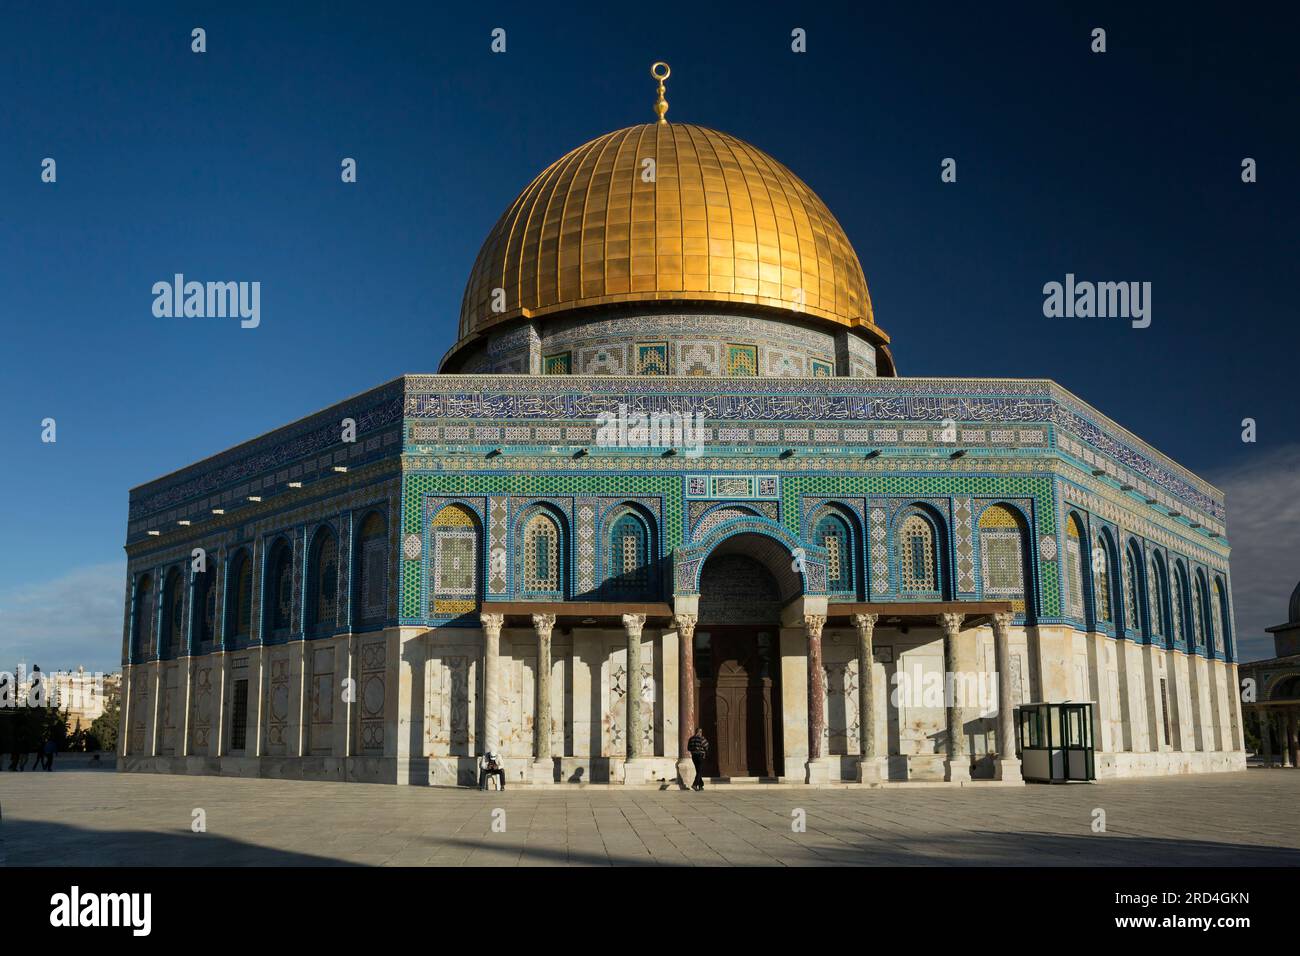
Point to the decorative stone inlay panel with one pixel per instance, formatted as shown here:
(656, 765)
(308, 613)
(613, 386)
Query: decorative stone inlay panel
(201, 709)
(449, 703)
(614, 731)
(321, 698)
(372, 692)
(140, 702)
(277, 702)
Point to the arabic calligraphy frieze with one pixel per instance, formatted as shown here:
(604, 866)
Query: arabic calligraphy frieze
(560, 406)
(371, 412)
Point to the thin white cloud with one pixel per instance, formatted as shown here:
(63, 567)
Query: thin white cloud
(1263, 495)
(69, 621)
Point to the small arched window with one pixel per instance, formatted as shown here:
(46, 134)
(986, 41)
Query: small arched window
(1157, 595)
(833, 534)
(628, 555)
(1223, 632)
(1178, 603)
(1002, 566)
(542, 554)
(277, 615)
(203, 621)
(143, 626)
(1101, 582)
(1132, 593)
(323, 575)
(917, 567)
(372, 569)
(173, 624)
(1073, 567)
(239, 602)
(453, 583)
(1201, 612)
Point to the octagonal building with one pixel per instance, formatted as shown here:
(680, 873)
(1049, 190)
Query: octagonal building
(668, 477)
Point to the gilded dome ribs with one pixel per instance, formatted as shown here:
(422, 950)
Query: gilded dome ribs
(721, 222)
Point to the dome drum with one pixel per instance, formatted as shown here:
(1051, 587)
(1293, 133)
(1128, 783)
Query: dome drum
(673, 339)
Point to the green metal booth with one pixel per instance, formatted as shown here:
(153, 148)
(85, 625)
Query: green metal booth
(1056, 742)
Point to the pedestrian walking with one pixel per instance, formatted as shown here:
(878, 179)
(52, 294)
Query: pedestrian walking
(698, 748)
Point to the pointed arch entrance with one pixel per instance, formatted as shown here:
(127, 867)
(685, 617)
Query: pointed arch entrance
(737, 655)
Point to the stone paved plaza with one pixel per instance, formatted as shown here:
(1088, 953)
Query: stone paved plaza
(93, 818)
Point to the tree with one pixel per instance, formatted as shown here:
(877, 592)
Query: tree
(104, 727)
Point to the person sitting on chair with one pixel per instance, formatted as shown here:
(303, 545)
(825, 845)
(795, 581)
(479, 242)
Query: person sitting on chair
(491, 767)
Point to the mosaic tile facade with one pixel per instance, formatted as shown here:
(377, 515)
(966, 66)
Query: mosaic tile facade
(1020, 459)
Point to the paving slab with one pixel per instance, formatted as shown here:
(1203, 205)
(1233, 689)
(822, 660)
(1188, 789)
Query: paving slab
(112, 819)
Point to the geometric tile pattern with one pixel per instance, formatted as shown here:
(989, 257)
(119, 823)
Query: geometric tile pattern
(585, 522)
(652, 358)
(498, 562)
(879, 535)
(962, 532)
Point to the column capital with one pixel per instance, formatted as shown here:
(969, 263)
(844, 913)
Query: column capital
(633, 624)
(1001, 621)
(951, 623)
(686, 624)
(543, 623)
(865, 622)
(814, 623)
(492, 623)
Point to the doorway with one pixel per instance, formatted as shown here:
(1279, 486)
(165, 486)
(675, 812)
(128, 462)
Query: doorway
(737, 669)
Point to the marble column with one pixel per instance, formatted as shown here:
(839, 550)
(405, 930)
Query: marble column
(871, 768)
(685, 694)
(818, 764)
(635, 769)
(1292, 757)
(1266, 735)
(1008, 765)
(543, 762)
(490, 739)
(957, 766)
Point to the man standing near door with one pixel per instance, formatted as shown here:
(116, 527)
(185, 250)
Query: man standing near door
(698, 748)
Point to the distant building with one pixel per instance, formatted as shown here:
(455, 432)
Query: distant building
(1276, 707)
(83, 695)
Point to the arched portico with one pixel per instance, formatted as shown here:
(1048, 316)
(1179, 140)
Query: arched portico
(797, 567)
(750, 657)
(736, 655)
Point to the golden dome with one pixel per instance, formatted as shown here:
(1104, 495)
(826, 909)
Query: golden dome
(713, 220)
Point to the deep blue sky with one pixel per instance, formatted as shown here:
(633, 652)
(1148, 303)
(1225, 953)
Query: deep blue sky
(225, 165)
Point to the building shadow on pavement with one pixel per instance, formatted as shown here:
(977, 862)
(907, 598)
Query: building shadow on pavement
(40, 843)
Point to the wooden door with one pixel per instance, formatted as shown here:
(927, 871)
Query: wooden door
(737, 694)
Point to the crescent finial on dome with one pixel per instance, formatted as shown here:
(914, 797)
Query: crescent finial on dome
(661, 104)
